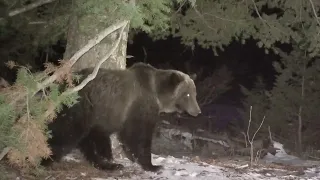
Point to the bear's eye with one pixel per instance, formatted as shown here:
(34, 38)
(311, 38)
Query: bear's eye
(188, 95)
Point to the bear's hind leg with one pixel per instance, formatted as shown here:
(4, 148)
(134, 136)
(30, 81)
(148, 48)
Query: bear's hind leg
(60, 145)
(58, 152)
(96, 147)
(138, 141)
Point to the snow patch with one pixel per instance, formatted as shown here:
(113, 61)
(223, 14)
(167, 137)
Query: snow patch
(71, 157)
(281, 157)
(184, 169)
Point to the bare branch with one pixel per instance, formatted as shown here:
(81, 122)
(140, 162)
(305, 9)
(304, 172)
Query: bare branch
(254, 135)
(270, 136)
(37, 22)
(225, 19)
(263, 20)
(29, 7)
(145, 54)
(258, 13)
(97, 67)
(250, 118)
(264, 117)
(82, 51)
(314, 12)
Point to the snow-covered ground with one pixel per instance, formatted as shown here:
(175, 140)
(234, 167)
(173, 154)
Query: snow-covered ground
(185, 169)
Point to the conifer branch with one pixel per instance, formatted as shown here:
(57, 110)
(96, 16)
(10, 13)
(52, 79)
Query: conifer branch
(314, 12)
(265, 22)
(66, 66)
(82, 51)
(97, 67)
(29, 7)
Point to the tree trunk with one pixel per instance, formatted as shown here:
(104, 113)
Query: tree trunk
(300, 120)
(77, 38)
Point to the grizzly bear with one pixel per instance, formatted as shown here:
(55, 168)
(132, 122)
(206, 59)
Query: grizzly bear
(127, 102)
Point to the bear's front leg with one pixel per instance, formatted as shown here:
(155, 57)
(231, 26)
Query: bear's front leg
(144, 155)
(137, 142)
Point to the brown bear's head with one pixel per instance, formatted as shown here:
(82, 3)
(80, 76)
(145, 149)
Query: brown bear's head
(177, 92)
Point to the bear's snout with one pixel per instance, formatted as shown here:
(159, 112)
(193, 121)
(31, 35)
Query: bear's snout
(194, 111)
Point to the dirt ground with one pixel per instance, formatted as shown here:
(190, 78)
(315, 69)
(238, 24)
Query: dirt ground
(63, 171)
(84, 171)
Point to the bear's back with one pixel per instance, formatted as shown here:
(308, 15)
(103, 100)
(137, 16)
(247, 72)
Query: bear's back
(114, 94)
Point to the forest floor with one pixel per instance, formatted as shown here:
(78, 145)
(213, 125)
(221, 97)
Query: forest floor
(73, 167)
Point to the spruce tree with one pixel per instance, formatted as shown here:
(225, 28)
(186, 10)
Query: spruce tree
(295, 96)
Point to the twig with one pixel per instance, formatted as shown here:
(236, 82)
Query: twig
(258, 13)
(263, 20)
(97, 67)
(314, 12)
(37, 22)
(83, 50)
(145, 54)
(245, 139)
(203, 19)
(29, 7)
(249, 123)
(270, 136)
(180, 7)
(242, 167)
(224, 19)
(254, 135)
(257, 156)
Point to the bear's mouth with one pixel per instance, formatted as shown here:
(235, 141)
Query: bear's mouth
(178, 109)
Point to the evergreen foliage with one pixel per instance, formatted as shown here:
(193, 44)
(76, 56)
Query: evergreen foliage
(297, 86)
(214, 24)
(211, 24)
(8, 138)
(24, 114)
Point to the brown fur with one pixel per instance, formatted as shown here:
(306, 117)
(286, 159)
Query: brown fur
(127, 102)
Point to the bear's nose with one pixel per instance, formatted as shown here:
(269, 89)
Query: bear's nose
(195, 113)
(199, 110)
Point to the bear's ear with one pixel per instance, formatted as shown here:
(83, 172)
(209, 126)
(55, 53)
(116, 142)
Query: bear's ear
(193, 76)
(175, 79)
